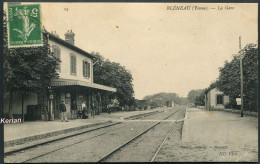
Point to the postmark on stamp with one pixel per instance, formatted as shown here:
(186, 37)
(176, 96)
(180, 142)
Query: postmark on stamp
(24, 25)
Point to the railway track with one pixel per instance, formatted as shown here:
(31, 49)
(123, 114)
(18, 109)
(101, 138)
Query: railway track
(63, 147)
(159, 148)
(66, 137)
(139, 135)
(85, 139)
(58, 139)
(135, 117)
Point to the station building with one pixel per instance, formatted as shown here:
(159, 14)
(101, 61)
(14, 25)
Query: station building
(75, 82)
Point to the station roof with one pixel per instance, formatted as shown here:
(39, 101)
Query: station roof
(69, 82)
(66, 44)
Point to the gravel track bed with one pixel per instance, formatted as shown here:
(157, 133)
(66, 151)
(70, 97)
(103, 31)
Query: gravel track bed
(30, 153)
(144, 148)
(159, 115)
(173, 139)
(166, 154)
(96, 143)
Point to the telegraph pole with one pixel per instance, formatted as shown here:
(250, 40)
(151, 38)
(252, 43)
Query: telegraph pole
(241, 76)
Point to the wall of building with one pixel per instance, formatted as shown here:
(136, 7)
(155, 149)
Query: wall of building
(207, 100)
(79, 96)
(173, 104)
(67, 103)
(30, 99)
(213, 99)
(65, 64)
(226, 99)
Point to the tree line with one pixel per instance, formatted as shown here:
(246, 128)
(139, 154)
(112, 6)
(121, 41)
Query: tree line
(114, 75)
(229, 80)
(171, 96)
(196, 97)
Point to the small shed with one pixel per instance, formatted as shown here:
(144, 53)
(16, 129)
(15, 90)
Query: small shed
(215, 99)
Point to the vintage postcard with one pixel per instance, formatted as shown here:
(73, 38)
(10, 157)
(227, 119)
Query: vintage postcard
(130, 82)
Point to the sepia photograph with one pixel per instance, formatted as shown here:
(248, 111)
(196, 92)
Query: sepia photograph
(129, 82)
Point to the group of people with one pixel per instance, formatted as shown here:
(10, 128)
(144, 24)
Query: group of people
(83, 112)
(112, 105)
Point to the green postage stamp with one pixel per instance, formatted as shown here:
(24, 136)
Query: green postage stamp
(24, 25)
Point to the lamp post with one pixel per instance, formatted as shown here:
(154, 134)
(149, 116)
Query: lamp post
(51, 117)
(241, 76)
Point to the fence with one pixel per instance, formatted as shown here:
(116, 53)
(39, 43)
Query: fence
(249, 113)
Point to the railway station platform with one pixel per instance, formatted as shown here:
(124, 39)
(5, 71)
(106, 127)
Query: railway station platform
(219, 136)
(20, 133)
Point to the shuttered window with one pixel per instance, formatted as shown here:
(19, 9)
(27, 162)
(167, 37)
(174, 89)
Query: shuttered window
(56, 54)
(219, 99)
(73, 62)
(86, 69)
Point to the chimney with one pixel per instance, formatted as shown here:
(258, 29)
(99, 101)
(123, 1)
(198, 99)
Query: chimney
(69, 37)
(55, 34)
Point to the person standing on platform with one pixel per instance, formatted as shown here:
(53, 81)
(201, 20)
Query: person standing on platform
(93, 111)
(109, 106)
(98, 104)
(84, 110)
(63, 111)
(73, 110)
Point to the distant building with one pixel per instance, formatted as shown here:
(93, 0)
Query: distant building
(160, 101)
(170, 103)
(215, 99)
(141, 104)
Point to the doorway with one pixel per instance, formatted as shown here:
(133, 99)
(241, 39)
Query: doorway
(68, 104)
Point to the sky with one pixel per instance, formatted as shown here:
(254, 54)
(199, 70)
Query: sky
(165, 50)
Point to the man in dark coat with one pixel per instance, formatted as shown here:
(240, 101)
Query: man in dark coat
(63, 111)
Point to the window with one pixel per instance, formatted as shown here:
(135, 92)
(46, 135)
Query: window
(73, 64)
(86, 69)
(56, 54)
(219, 99)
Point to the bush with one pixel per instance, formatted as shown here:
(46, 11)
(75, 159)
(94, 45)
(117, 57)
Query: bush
(132, 108)
(126, 108)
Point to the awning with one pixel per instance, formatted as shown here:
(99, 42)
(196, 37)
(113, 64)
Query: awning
(69, 82)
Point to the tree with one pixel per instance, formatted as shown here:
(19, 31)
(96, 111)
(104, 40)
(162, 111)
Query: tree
(199, 100)
(26, 69)
(171, 96)
(114, 75)
(229, 78)
(193, 94)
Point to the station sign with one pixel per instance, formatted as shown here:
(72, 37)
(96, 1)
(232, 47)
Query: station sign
(238, 100)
